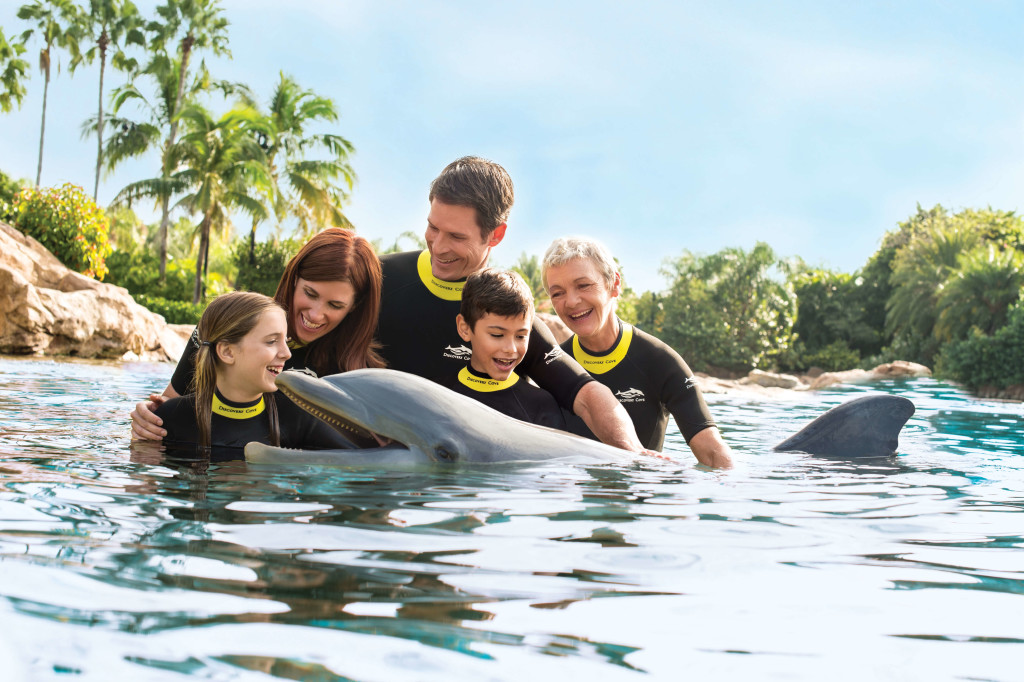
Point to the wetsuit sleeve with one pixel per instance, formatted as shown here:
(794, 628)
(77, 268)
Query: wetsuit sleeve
(181, 380)
(551, 368)
(180, 421)
(682, 396)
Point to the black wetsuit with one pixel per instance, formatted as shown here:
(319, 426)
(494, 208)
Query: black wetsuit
(650, 380)
(232, 425)
(181, 380)
(515, 396)
(418, 334)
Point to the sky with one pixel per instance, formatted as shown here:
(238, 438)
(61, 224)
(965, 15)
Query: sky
(655, 127)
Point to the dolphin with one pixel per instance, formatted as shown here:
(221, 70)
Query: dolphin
(865, 427)
(424, 422)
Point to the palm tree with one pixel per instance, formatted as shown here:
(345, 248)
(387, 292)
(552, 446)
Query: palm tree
(109, 24)
(310, 190)
(132, 137)
(418, 243)
(919, 272)
(196, 24)
(529, 268)
(13, 70)
(55, 21)
(184, 26)
(220, 161)
(979, 294)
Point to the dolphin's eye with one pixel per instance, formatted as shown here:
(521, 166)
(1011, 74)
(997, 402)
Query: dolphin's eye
(444, 454)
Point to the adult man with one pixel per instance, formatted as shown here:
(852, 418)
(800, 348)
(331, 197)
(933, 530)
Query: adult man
(469, 205)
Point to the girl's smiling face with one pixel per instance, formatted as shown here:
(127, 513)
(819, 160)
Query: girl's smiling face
(248, 368)
(319, 307)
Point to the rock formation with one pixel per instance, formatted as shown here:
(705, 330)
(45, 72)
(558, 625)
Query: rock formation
(47, 309)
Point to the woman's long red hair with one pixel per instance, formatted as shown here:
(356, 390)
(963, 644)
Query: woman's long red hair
(338, 254)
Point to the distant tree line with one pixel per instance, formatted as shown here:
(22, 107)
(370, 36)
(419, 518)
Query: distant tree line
(944, 290)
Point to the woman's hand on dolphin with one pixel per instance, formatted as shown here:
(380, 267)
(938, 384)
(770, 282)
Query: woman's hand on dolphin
(145, 424)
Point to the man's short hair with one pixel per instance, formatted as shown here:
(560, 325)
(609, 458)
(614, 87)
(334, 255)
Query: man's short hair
(565, 249)
(480, 184)
(500, 292)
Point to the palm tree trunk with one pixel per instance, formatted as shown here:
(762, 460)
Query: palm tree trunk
(252, 244)
(204, 247)
(186, 47)
(99, 120)
(42, 127)
(186, 50)
(165, 222)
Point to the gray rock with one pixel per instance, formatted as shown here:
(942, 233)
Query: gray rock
(47, 309)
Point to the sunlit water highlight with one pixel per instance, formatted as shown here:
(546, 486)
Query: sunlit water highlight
(116, 565)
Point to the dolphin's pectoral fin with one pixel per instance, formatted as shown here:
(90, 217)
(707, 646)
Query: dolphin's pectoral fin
(866, 427)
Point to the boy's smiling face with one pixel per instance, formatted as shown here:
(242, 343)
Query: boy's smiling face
(499, 343)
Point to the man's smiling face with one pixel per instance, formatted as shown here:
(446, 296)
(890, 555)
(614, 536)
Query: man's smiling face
(456, 246)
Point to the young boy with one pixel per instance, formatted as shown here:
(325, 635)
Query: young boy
(495, 319)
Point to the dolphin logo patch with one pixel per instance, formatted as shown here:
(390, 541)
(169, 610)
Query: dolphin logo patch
(460, 353)
(633, 395)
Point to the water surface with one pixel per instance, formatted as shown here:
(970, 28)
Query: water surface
(121, 564)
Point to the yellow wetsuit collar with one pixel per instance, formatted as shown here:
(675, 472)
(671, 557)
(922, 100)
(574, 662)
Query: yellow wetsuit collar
(599, 364)
(449, 291)
(237, 411)
(482, 384)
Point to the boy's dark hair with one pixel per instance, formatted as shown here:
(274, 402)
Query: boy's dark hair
(500, 292)
(480, 184)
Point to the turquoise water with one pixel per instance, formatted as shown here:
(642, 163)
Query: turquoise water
(119, 565)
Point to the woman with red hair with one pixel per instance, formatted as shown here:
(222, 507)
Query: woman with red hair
(331, 292)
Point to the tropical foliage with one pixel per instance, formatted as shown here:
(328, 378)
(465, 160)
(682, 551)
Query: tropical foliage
(732, 310)
(108, 25)
(261, 265)
(67, 222)
(309, 190)
(13, 72)
(995, 359)
(942, 289)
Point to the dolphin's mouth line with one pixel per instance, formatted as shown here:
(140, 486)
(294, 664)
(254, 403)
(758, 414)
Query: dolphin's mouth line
(360, 436)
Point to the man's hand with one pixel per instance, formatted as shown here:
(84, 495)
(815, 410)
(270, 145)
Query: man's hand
(145, 424)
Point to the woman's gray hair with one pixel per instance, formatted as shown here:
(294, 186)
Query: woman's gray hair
(565, 249)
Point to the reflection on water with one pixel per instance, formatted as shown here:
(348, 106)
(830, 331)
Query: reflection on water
(119, 561)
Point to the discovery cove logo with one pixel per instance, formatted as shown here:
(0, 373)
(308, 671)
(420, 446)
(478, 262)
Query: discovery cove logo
(460, 353)
(552, 355)
(633, 395)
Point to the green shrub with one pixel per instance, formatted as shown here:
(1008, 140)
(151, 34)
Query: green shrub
(261, 268)
(9, 188)
(67, 222)
(980, 360)
(174, 312)
(139, 272)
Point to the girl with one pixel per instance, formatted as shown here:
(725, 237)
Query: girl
(331, 290)
(240, 347)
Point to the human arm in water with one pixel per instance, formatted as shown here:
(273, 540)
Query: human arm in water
(606, 417)
(146, 425)
(710, 448)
